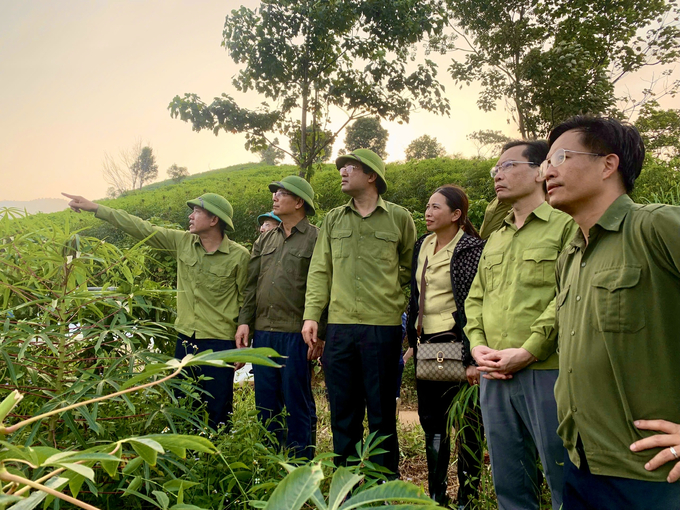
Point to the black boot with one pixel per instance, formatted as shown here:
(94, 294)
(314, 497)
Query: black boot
(438, 452)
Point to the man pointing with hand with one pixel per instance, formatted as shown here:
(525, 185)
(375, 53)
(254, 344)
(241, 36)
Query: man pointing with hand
(211, 277)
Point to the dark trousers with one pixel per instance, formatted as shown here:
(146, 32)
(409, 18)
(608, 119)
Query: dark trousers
(220, 388)
(361, 364)
(434, 401)
(586, 491)
(289, 386)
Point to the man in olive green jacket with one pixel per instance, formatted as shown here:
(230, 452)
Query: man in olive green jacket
(511, 313)
(361, 262)
(618, 312)
(273, 306)
(211, 277)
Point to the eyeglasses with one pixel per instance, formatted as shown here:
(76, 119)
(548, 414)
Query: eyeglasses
(560, 157)
(348, 168)
(507, 165)
(279, 193)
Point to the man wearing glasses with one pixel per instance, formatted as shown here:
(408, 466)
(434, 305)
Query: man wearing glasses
(618, 314)
(273, 305)
(361, 262)
(511, 313)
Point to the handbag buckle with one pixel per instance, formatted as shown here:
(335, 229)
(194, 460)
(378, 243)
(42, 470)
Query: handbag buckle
(440, 357)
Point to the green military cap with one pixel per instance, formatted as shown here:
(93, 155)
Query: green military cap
(267, 216)
(215, 204)
(369, 159)
(299, 187)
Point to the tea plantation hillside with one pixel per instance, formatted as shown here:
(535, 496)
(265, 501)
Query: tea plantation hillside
(409, 184)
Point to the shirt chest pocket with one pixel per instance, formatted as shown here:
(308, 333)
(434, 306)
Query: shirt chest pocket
(382, 245)
(267, 260)
(340, 242)
(300, 260)
(219, 279)
(188, 264)
(614, 300)
(492, 269)
(538, 266)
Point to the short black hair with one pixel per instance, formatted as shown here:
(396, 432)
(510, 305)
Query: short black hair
(536, 150)
(605, 135)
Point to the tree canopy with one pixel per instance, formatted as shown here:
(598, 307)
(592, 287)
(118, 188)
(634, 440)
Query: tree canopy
(272, 155)
(177, 173)
(550, 61)
(307, 56)
(424, 147)
(367, 133)
(660, 130)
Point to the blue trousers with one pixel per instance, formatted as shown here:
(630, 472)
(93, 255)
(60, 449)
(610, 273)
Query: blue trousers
(289, 386)
(220, 388)
(520, 419)
(361, 364)
(586, 491)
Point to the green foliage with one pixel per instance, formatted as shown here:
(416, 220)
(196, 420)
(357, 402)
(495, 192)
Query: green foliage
(554, 60)
(308, 56)
(657, 179)
(178, 173)
(660, 130)
(272, 155)
(367, 133)
(424, 147)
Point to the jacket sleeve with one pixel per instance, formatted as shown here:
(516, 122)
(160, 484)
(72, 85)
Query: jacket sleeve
(468, 266)
(248, 309)
(157, 237)
(474, 329)
(320, 276)
(406, 250)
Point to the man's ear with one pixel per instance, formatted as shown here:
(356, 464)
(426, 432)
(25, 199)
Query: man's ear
(214, 221)
(300, 203)
(373, 177)
(611, 166)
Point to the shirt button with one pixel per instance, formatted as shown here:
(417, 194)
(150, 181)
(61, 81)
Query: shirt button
(358, 277)
(578, 298)
(573, 332)
(573, 408)
(512, 258)
(583, 264)
(570, 370)
(504, 335)
(505, 308)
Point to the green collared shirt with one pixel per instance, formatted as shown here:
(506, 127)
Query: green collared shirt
(209, 285)
(618, 313)
(512, 299)
(360, 265)
(277, 279)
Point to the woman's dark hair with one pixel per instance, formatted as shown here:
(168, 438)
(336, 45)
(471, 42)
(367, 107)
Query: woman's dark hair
(457, 199)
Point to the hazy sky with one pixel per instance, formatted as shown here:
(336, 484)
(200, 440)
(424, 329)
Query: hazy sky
(81, 78)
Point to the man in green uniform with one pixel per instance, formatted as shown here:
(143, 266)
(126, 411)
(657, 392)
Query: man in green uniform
(361, 262)
(274, 304)
(618, 312)
(511, 313)
(211, 277)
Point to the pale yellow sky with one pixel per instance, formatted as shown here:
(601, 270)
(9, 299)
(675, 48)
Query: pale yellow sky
(80, 78)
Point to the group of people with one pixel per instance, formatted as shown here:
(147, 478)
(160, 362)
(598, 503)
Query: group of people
(565, 302)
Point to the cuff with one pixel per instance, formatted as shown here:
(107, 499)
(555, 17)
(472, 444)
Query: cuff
(312, 314)
(539, 347)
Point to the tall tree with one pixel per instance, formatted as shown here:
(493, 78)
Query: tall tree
(178, 173)
(487, 142)
(308, 55)
(118, 171)
(319, 142)
(424, 147)
(271, 155)
(551, 60)
(145, 168)
(367, 133)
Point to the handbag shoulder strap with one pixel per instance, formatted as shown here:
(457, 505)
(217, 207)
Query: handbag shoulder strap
(421, 302)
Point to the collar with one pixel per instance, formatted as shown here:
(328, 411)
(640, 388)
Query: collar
(380, 203)
(301, 226)
(542, 212)
(223, 247)
(613, 217)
